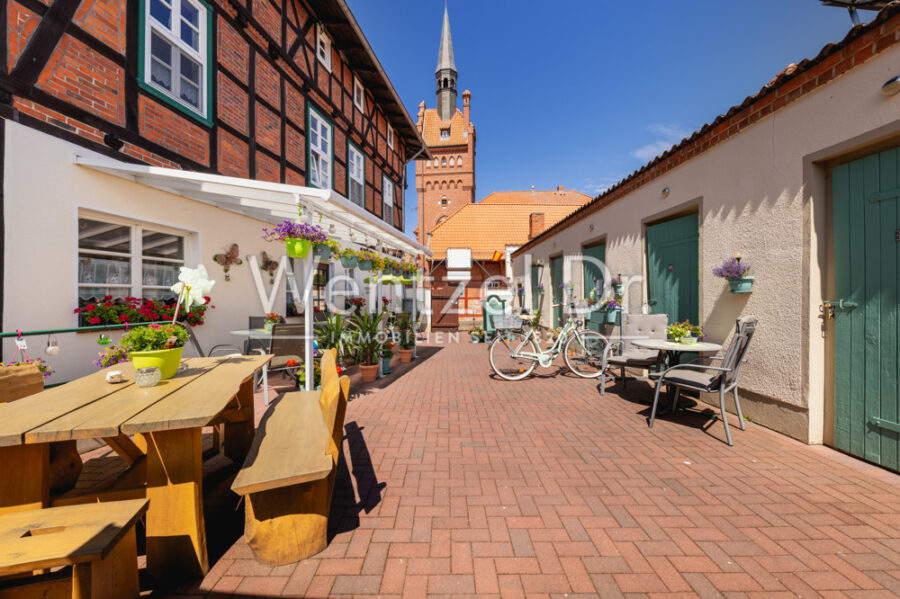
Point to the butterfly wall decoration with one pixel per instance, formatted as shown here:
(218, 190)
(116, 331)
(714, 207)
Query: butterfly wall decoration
(229, 259)
(269, 266)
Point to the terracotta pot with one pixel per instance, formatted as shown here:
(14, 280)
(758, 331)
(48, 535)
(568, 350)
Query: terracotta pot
(368, 372)
(406, 355)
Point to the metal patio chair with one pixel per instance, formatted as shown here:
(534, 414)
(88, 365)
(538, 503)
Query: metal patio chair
(712, 379)
(622, 354)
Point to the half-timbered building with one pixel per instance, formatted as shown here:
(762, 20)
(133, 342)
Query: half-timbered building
(285, 92)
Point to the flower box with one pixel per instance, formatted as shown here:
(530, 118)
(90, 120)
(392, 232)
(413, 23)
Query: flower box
(17, 382)
(741, 286)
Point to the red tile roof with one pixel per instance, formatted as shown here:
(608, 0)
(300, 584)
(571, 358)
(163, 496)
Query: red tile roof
(554, 197)
(432, 129)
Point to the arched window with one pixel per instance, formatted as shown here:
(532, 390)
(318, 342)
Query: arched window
(436, 163)
(452, 161)
(444, 161)
(445, 82)
(441, 219)
(459, 161)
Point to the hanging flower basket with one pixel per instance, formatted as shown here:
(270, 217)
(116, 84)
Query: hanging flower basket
(323, 251)
(741, 286)
(297, 248)
(349, 261)
(365, 264)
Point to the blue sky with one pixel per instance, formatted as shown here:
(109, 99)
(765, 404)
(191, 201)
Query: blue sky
(583, 92)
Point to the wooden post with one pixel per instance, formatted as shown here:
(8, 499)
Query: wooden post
(239, 435)
(24, 477)
(176, 538)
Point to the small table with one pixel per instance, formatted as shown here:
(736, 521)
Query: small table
(252, 333)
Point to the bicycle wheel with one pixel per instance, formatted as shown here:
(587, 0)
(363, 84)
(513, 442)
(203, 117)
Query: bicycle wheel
(504, 363)
(584, 353)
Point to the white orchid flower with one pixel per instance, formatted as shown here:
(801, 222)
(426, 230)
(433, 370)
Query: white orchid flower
(194, 283)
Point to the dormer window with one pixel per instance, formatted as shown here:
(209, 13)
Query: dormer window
(445, 133)
(359, 95)
(323, 47)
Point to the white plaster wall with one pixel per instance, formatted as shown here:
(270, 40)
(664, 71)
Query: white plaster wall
(43, 192)
(751, 193)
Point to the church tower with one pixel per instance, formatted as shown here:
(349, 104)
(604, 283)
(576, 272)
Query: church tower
(445, 183)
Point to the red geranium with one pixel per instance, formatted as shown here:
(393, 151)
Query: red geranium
(90, 308)
(123, 318)
(94, 320)
(77, 310)
(340, 370)
(107, 297)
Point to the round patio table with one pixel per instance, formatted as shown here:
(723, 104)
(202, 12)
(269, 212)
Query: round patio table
(252, 333)
(672, 351)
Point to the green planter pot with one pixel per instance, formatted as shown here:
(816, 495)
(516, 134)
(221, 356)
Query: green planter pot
(167, 360)
(612, 317)
(322, 252)
(688, 340)
(297, 248)
(619, 289)
(741, 286)
(385, 365)
(365, 264)
(349, 261)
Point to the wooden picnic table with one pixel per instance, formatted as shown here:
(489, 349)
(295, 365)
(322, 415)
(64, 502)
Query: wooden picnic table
(166, 454)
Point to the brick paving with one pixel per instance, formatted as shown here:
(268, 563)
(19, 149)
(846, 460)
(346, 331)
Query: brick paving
(455, 483)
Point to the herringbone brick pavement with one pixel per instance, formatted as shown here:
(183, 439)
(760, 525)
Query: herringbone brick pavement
(455, 483)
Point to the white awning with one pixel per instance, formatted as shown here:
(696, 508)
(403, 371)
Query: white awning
(341, 219)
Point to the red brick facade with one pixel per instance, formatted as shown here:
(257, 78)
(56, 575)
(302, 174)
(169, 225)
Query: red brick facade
(80, 83)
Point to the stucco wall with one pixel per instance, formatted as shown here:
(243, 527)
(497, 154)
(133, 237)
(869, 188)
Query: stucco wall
(754, 195)
(43, 193)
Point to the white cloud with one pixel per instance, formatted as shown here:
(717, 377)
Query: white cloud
(594, 187)
(668, 135)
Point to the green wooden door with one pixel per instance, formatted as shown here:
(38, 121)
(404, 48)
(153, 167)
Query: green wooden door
(556, 278)
(593, 281)
(535, 281)
(866, 237)
(672, 263)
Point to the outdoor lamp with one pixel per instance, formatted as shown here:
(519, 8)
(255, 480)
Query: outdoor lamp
(891, 86)
(665, 192)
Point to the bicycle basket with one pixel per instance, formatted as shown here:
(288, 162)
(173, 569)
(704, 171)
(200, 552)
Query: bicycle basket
(506, 322)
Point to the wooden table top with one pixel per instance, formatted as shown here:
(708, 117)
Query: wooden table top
(663, 345)
(89, 407)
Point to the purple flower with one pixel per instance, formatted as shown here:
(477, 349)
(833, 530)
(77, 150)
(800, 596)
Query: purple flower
(289, 230)
(731, 269)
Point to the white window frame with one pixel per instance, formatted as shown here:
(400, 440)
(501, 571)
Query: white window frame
(319, 122)
(387, 199)
(445, 133)
(173, 37)
(323, 46)
(351, 150)
(390, 137)
(135, 287)
(359, 94)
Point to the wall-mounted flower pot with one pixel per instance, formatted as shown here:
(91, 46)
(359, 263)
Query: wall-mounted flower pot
(323, 252)
(741, 286)
(619, 289)
(349, 261)
(540, 292)
(612, 317)
(297, 248)
(365, 265)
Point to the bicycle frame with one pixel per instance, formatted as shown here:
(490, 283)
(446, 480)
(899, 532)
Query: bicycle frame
(554, 350)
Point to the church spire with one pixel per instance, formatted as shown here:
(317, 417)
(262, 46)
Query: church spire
(446, 73)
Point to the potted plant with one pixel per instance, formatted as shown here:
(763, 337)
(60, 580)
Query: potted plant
(536, 320)
(540, 288)
(618, 285)
(324, 249)
(611, 309)
(407, 337)
(477, 334)
(332, 334)
(684, 333)
(366, 343)
(298, 238)
(736, 274)
(358, 303)
(156, 345)
(387, 352)
(349, 258)
(20, 378)
(271, 320)
(369, 260)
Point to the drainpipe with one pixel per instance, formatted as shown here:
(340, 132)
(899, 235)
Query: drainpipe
(414, 156)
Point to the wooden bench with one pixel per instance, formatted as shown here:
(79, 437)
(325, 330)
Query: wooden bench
(288, 477)
(96, 540)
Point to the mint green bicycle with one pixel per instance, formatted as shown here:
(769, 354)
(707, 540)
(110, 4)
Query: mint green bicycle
(514, 353)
